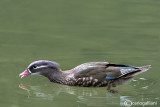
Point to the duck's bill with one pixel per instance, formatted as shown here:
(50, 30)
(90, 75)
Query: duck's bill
(25, 73)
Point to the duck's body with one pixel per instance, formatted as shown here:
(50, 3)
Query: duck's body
(91, 74)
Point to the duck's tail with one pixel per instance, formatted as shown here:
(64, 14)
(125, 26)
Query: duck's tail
(128, 77)
(141, 70)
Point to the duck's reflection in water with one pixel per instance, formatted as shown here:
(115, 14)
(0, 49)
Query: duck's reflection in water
(91, 96)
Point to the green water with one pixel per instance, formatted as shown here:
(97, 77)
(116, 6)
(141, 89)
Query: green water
(72, 32)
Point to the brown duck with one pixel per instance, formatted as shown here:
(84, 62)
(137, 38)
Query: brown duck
(91, 74)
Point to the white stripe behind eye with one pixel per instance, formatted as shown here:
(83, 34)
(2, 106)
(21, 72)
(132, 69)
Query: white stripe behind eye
(40, 67)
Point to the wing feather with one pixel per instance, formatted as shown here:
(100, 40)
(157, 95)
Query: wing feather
(90, 69)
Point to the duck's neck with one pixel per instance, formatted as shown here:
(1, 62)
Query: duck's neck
(57, 76)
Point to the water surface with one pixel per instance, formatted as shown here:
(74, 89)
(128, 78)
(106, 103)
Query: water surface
(74, 32)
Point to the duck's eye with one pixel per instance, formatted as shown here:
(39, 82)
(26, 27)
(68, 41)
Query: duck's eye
(34, 67)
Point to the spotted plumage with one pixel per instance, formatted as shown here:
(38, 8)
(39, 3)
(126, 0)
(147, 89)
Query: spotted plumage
(91, 74)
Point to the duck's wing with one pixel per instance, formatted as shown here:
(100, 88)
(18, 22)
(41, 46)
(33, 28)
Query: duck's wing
(91, 69)
(124, 71)
(104, 70)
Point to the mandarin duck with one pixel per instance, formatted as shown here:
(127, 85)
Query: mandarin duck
(90, 74)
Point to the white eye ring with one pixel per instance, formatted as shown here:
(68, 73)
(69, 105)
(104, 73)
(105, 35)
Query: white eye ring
(35, 67)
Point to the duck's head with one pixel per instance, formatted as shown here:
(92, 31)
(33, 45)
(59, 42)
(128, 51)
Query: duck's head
(41, 67)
